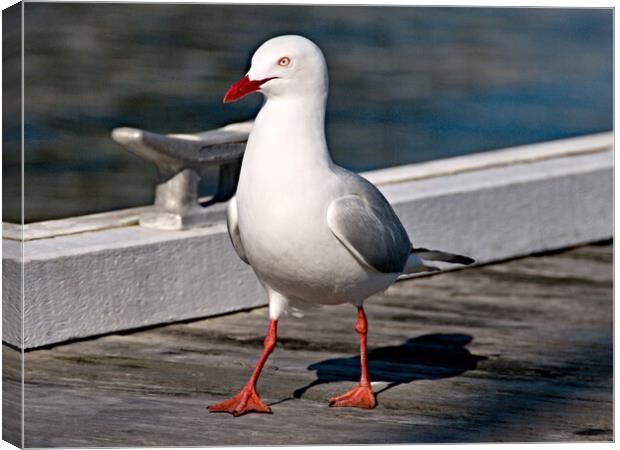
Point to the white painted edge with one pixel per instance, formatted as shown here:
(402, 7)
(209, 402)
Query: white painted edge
(581, 145)
(72, 225)
(115, 279)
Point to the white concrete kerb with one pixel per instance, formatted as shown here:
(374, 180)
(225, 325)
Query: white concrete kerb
(102, 273)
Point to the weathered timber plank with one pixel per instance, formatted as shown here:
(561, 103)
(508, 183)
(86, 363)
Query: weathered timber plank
(12, 396)
(519, 351)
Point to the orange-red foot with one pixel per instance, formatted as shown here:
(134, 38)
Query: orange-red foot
(247, 400)
(359, 397)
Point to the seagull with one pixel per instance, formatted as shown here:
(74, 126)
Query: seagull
(313, 232)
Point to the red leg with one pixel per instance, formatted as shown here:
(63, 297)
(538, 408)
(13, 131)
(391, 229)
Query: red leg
(247, 400)
(361, 396)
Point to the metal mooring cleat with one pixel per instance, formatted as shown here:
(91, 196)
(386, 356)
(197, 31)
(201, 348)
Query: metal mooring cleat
(181, 160)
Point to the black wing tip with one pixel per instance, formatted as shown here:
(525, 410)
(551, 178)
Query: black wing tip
(450, 257)
(465, 260)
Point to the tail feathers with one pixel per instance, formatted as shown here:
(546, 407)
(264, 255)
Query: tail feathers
(427, 268)
(438, 255)
(416, 265)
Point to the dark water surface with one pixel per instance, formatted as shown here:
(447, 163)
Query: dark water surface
(408, 84)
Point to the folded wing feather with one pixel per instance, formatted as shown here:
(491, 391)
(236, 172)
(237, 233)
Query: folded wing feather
(371, 232)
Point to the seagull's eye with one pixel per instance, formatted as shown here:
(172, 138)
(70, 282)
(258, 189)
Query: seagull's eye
(284, 61)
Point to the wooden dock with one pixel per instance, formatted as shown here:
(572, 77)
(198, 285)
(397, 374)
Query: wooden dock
(519, 351)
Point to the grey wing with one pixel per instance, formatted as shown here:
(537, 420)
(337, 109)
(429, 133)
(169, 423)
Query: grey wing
(368, 227)
(232, 222)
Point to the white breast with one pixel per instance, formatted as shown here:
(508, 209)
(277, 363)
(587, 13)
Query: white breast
(285, 188)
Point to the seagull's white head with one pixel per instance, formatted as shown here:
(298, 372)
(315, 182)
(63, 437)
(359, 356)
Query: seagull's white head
(285, 66)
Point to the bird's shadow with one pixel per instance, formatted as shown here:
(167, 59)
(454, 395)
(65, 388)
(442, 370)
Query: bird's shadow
(427, 357)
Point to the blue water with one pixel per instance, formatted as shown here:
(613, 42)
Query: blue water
(407, 84)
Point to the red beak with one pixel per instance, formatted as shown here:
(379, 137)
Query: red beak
(243, 87)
